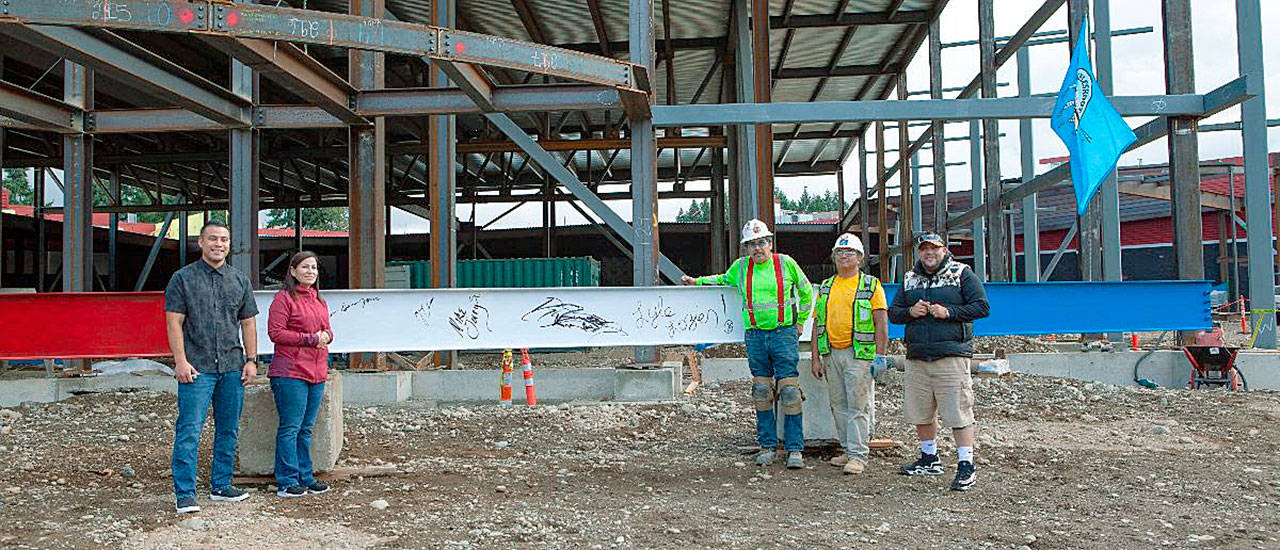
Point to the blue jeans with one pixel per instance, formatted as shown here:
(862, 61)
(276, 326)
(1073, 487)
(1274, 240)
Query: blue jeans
(226, 393)
(297, 402)
(776, 354)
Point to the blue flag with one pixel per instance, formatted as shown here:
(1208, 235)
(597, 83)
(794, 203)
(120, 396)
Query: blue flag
(1092, 129)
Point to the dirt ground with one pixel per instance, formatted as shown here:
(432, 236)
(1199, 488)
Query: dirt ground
(1061, 464)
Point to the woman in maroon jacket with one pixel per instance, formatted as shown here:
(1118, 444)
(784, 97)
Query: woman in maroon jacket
(299, 327)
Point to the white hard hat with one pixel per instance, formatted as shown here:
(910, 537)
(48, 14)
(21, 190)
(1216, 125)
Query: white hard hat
(754, 229)
(849, 240)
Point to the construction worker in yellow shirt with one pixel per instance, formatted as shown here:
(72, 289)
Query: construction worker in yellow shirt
(777, 300)
(850, 337)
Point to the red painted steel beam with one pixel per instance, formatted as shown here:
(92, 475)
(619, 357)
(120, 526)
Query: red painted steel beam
(75, 325)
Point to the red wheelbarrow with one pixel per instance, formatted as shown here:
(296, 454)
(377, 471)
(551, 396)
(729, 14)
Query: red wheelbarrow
(1213, 366)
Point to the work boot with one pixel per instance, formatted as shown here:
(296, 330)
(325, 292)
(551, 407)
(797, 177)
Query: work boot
(765, 457)
(795, 460)
(839, 461)
(854, 467)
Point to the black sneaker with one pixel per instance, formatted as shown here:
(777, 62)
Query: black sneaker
(316, 488)
(292, 492)
(965, 477)
(928, 465)
(186, 505)
(228, 494)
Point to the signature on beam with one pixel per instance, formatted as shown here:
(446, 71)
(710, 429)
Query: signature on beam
(555, 312)
(361, 303)
(467, 321)
(423, 313)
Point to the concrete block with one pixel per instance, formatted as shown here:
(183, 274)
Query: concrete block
(723, 369)
(1261, 369)
(462, 386)
(677, 378)
(256, 448)
(1168, 368)
(819, 424)
(448, 386)
(645, 385)
(28, 390)
(376, 388)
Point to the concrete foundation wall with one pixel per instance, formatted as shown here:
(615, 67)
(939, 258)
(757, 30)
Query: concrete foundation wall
(381, 388)
(1168, 368)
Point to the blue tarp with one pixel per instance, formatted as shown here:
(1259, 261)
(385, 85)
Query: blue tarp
(1071, 307)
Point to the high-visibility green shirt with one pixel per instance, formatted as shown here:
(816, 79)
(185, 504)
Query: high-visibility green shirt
(796, 296)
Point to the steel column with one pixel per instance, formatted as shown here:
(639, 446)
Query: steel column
(1112, 269)
(762, 72)
(882, 205)
(245, 150)
(1184, 164)
(996, 237)
(751, 204)
(77, 187)
(442, 181)
(975, 181)
(182, 238)
(1253, 113)
(733, 160)
(113, 233)
(367, 165)
(864, 199)
(909, 215)
(644, 168)
(1030, 217)
(939, 137)
(42, 244)
(719, 242)
(840, 192)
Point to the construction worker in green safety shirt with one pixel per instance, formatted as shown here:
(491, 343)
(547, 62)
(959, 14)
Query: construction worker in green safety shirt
(850, 335)
(777, 301)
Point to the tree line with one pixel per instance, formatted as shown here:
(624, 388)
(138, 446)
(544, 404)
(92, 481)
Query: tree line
(700, 211)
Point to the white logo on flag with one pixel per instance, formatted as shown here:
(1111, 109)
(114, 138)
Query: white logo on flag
(1084, 92)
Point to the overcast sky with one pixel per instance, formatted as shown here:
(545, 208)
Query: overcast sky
(1139, 70)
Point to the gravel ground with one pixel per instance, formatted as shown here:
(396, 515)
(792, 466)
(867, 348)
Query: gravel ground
(1061, 464)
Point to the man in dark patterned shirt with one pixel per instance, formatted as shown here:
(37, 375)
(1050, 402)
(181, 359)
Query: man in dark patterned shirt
(208, 306)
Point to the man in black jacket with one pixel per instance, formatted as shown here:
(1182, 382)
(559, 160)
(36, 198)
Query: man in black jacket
(938, 302)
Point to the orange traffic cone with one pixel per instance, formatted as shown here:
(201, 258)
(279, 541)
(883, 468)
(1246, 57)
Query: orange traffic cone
(526, 368)
(504, 381)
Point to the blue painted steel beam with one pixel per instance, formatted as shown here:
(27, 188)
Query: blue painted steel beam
(1089, 307)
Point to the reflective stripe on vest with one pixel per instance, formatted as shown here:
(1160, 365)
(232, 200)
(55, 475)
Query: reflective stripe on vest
(749, 290)
(865, 291)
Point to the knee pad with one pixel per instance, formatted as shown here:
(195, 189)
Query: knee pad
(790, 396)
(762, 393)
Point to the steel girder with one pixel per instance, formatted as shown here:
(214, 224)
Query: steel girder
(249, 21)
